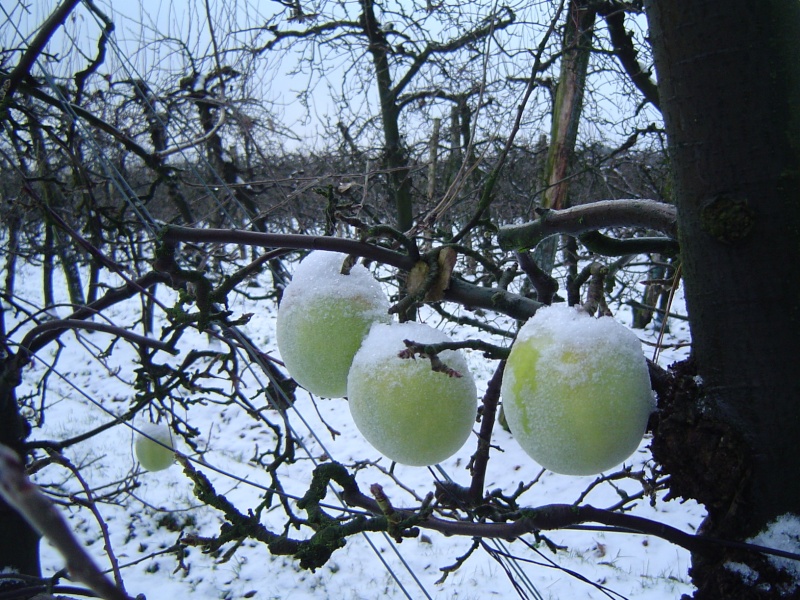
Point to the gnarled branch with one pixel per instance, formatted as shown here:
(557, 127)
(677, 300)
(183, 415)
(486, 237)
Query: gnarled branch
(591, 217)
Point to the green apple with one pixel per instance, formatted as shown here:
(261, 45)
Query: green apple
(406, 410)
(576, 391)
(323, 318)
(151, 454)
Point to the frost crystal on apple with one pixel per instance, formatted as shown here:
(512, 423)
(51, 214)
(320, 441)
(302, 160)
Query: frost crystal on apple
(576, 391)
(150, 452)
(406, 410)
(323, 317)
(320, 274)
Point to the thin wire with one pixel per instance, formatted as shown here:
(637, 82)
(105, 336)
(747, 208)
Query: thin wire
(551, 564)
(515, 566)
(343, 507)
(255, 357)
(111, 172)
(200, 462)
(503, 562)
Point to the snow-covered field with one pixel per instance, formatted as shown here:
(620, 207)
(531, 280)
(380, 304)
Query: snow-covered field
(83, 392)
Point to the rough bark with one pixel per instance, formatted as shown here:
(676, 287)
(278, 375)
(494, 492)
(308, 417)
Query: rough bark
(729, 84)
(568, 103)
(567, 107)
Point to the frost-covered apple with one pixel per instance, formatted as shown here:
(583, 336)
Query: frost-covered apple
(151, 454)
(323, 317)
(576, 391)
(406, 410)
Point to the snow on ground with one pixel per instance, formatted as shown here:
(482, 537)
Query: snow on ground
(83, 393)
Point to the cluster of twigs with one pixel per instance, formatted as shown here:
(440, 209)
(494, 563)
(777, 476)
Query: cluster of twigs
(469, 263)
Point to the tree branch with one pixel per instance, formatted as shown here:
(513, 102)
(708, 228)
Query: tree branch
(607, 246)
(545, 284)
(451, 46)
(556, 516)
(590, 217)
(23, 68)
(497, 300)
(298, 34)
(63, 325)
(480, 459)
(459, 291)
(18, 491)
(31, 89)
(110, 298)
(174, 234)
(626, 53)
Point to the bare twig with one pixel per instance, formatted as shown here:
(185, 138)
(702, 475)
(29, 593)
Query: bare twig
(480, 459)
(429, 350)
(18, 491)
(35, 47)
(65, 324)
(91, 503)
(426, 351)
(595, 295)
(196, 141)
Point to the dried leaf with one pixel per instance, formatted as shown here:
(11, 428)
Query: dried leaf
(447, 261)
(416, 277)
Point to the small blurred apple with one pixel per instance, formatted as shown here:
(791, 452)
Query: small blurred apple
(322, 320)
(576, 391)
(407, 411)
(151, 454)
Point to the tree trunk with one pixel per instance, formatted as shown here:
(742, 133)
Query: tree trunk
(69, 258)
(21, 556)
(567, 108)
(396, 158)
(568, 102)
(729, 83)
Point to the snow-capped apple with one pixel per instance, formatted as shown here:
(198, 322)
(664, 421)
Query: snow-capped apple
(151, 454)
(408, 411)
(323, 317)
(576, 391)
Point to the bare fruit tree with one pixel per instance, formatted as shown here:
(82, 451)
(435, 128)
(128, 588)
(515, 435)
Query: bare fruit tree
(482, 161)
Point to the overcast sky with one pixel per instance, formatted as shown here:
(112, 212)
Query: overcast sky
(139, 22)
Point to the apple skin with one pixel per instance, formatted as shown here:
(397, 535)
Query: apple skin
(411, 414)
(576, 391)
(322, 320)
(152, 455)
